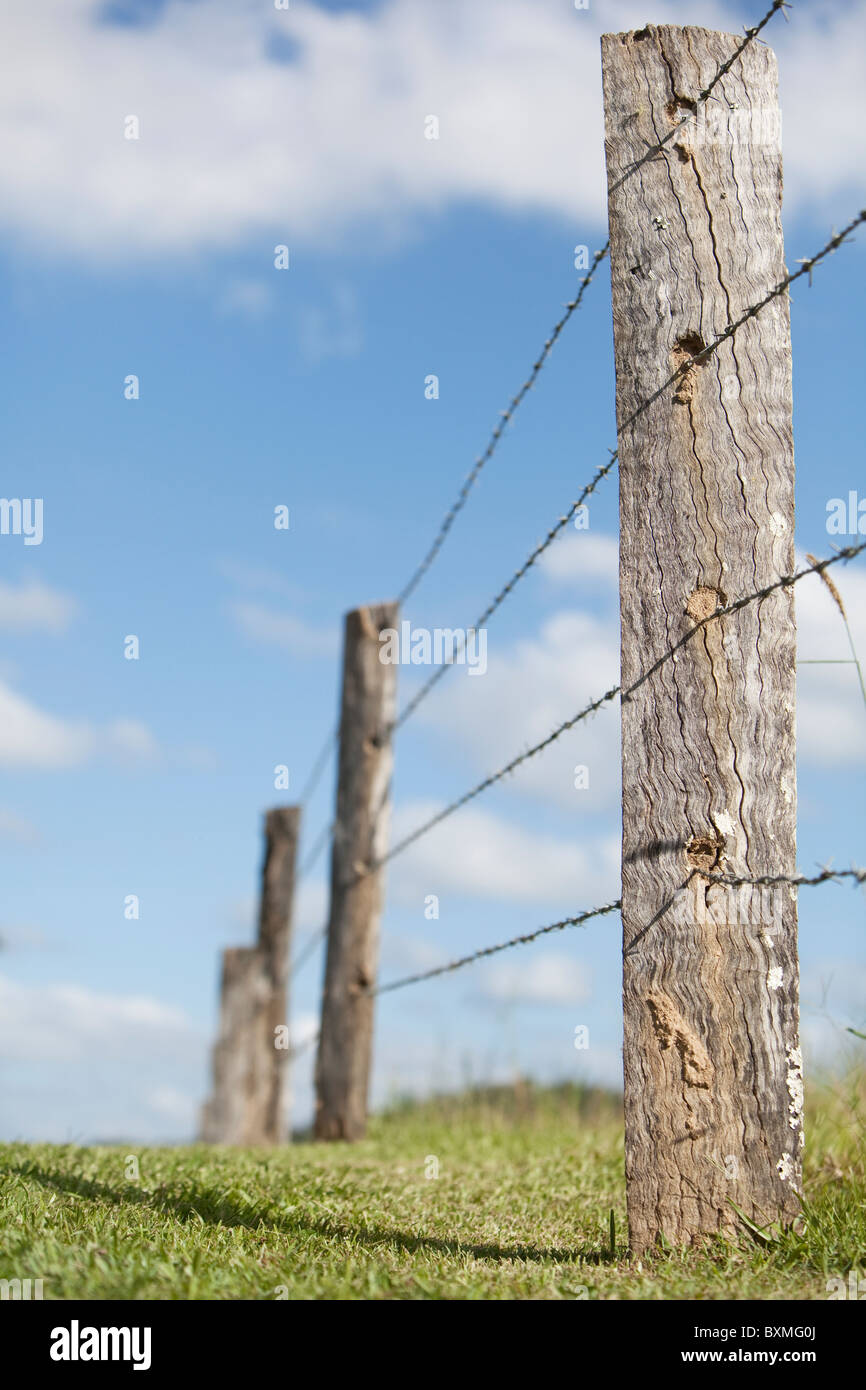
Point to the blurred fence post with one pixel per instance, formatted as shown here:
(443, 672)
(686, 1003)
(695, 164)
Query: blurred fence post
(249, 1103)
(360, 835)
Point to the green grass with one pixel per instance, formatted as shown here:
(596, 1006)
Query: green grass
(528, 1179)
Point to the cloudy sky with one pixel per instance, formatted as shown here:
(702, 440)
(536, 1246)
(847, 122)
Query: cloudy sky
(259, 127)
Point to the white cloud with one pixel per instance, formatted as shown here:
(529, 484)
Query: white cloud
(35, 606)
(283, 630)
(86, 1065)
(311, 907)
(30, 737)
(584, 556)
(820, 60)
(252, 577)
(831, 714)
(35, 1020)
(533, 685)
(246, 299)
(130, 738)
(303, 1027)
(235, 146)
(542, 979)
(480, 855)
(530, 688)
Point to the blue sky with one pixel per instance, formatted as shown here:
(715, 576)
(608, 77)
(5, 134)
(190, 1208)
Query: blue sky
(306, 387)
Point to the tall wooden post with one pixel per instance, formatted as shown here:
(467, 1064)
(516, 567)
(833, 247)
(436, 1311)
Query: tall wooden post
(713, 1076)
(249, 1103)
(360, 839)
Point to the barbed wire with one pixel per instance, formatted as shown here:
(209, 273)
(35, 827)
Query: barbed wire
(795, 880)
(507, 588)
(322, 839)
(703, 96)
(463, 495)
(493, 950)
(307, 950)
(807, 265)
(570, 308)
(786, 581)
(321, 762)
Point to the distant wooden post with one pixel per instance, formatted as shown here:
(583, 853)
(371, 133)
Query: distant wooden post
(360, 839)
(249, 1103)
(713, 1077)
(282, 832)
(229, 1112)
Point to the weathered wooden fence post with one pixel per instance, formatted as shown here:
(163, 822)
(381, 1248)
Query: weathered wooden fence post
(282, 832)
(713, 1078)
(360, 838)
(249, 1103)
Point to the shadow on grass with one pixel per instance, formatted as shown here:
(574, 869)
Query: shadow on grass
(214, 1209)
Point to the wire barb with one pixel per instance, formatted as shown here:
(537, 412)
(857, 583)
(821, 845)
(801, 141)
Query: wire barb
(785, 582)
(507, 588)
(796, 880)
(688, 362)
(835, 241)
(703, 96)
(493, 950)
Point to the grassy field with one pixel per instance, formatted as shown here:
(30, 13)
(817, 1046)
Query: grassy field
(521, 1208)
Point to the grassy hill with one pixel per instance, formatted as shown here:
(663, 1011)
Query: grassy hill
(521, 1208)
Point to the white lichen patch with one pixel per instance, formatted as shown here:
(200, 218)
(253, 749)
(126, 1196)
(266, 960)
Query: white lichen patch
(774, 977)
(794, 1082)
(785, 1168)
(778, 524)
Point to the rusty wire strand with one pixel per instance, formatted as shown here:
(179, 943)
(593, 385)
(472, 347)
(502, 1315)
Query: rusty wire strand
(796, 880)
(307, 950)
(463, 495)
(785, 582)
(507, 588)
(806, 267)
(322, 760)
(703, 96)
(315, 850)
(324, 838)
(570, 308)
(503, 946)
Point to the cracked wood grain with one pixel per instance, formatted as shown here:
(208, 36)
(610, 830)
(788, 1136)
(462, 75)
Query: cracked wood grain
(710, 974)
(360, 841)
